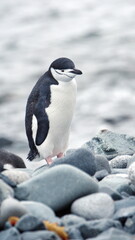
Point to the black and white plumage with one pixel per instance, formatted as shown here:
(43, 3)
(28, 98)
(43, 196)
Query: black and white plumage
(49, 110)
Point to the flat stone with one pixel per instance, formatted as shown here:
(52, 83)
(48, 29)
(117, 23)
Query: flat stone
(102, 163)
(40, 210)
(5, 191)
(111, 144)
(29, 223)
(71, 219)
(40, 235)
(10, 234)
(11, 207)
(57, 187)
(92, 228)
(81, 158)
(113, 234)
(119, 183)
(120, 161)
(94, 206)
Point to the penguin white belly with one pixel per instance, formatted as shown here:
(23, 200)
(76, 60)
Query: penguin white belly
(60, 114)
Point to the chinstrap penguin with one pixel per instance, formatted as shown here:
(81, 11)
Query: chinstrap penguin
(50, 109)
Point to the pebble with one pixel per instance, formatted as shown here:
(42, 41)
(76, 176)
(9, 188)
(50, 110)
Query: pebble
(11, 207)
(5, 191)
(29, 223)
(16, 176)
(57, 187)
(102, 163)
(40, 210)
(81, 158)
(92, 228)
(95, 206)
(131, 173)
(99, 175)
(113, 234)
(71, 219)
(10, 234)
(119, 183)
(127, 202)
(113, 194)
(39, 235)
(111, 144)
(120, 161)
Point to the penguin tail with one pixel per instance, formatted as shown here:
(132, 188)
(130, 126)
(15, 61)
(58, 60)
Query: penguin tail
(32, 155)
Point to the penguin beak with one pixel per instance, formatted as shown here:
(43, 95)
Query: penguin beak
(76, 71)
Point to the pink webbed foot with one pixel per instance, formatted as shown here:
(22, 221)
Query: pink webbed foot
(60, 155)
(49, 160)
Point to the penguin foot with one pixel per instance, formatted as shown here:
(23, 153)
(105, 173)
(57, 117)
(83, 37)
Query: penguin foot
(32, 155)
(60, 155)
(49, 160)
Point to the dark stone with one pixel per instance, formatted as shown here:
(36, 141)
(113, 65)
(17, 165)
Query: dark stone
(113, 234)
(111, 144)
(10, 158)
(57, 187)
(29, 223)
(93, 228)
(101, 174)
(81, 158)
(102, 163)
(39, 235)
(114, 194)
(10, 234)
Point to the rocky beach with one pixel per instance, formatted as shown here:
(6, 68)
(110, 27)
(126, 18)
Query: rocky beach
(88, 194)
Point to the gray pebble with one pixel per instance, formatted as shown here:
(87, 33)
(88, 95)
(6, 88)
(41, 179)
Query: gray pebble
(71, 219)
(81, 158)
(102, 163)
(5, 191)
(57, 187)
(91, 229)
(40, 235)
(10, 234)
(113, 234)
(117, 182)
(29, 223)
(120, 161)
(94, 206)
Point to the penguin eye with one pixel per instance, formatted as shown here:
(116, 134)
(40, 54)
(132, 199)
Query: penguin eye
(62, 70)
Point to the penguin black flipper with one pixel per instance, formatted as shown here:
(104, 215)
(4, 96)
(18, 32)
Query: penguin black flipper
(42, 120)
(39, 99)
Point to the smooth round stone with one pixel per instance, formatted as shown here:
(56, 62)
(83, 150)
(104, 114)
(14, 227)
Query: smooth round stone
(16, 176)
(41, 211)
(117, 182)
(5, 191)
(94, 206)
(120, 161)
(29, 223)
(131, 173)
(11, 207)
(11, 234)
(81, 158)
(113, 234)
(71, 219)
(102, 163)
(57, 187)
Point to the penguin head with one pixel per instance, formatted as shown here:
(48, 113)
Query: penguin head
(63, 69)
